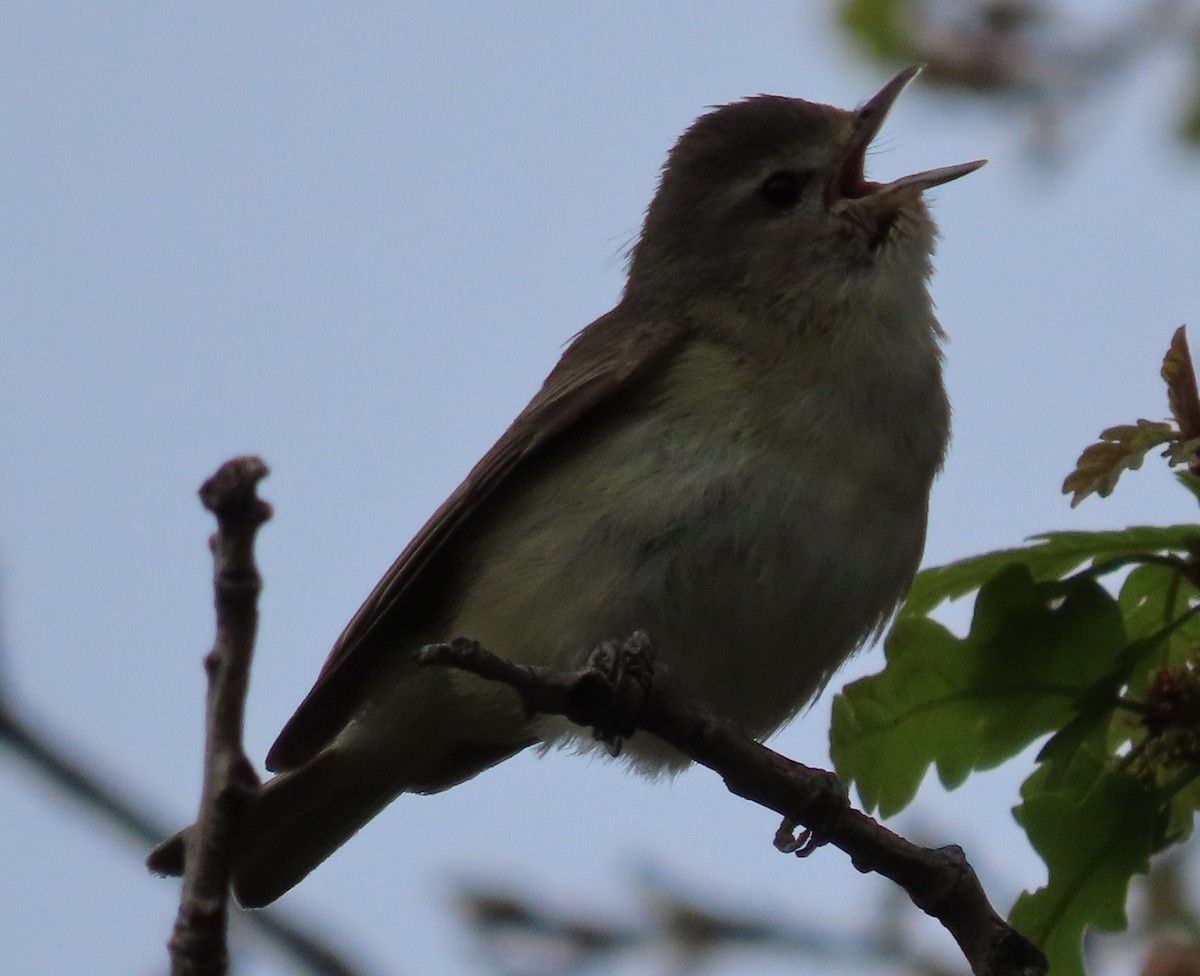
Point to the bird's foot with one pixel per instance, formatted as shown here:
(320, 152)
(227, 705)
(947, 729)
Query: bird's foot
(627, 671)
(788, 841)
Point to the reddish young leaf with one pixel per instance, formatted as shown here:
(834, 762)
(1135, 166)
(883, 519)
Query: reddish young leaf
(1180, 377)
(1119, 449)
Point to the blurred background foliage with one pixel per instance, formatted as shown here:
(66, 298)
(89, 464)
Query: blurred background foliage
(1035, 54)
(669, 926)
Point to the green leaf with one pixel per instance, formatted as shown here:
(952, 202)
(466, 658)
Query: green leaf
(881, 27)
(1096, 712)
(970, 703)
(1154, 604)
(1189, 481)
(1151, 598)
(1184, 804)
(1051, 555)
(1189, 120)
(1095, 830)
(879, 735)
(1153, 601)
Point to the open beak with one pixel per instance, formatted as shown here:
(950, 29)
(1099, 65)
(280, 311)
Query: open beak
(849, 182)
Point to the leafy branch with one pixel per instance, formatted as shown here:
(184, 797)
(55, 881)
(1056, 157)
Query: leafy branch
(1060, 645)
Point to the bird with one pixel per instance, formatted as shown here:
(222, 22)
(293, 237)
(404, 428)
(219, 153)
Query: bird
(735, 460)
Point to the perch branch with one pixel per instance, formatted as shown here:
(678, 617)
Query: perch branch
(938, 881)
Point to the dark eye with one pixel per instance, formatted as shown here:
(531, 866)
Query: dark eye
(781, 190)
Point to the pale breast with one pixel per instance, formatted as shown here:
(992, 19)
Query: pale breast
(726, 515)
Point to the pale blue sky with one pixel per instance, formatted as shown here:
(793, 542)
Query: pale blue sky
(353, 238)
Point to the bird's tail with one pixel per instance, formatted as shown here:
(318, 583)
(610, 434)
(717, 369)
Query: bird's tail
(300, 817)
(294, 822)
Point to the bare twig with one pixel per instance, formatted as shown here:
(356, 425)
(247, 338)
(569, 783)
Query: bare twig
(97, 794)
(57, 760)
(938, 881)
(198, 941)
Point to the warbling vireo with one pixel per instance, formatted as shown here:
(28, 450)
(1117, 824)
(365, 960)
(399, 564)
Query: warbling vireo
(736, 459)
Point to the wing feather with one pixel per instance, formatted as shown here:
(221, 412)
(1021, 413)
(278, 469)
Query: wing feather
(600, 361)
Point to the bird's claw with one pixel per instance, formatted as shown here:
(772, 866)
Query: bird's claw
(788, 841)
(627, 671)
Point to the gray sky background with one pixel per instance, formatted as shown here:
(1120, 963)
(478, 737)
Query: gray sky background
(353, 239)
